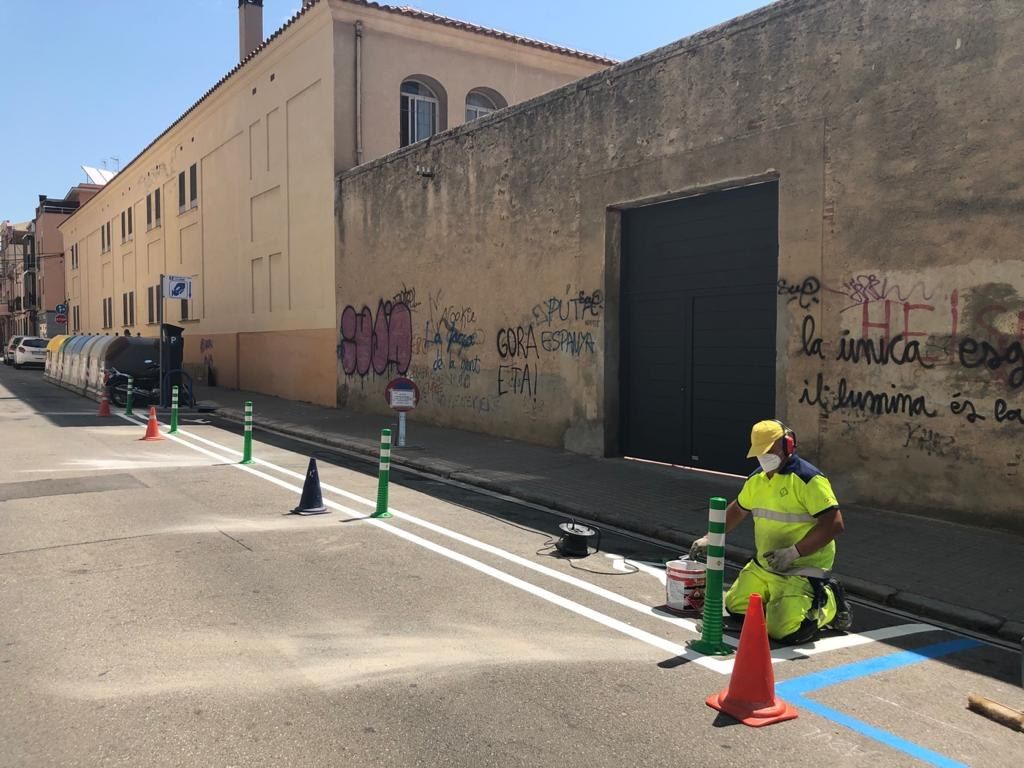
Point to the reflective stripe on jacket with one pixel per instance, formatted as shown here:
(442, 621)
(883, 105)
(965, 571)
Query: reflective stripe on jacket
(785, 508)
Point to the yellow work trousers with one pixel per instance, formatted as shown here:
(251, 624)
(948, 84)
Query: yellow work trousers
(787, 600)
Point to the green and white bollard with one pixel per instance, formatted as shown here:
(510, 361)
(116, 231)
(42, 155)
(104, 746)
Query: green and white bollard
(383, 475)
(247, 444)
(129, 397)
(174, 410)
(710, 643)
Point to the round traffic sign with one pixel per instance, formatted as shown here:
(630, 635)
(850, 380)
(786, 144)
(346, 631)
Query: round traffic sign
(61, 319)
(402, 394)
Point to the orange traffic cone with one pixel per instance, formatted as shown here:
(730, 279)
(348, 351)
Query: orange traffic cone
(153, 427)
(104, 405)
(750, 696)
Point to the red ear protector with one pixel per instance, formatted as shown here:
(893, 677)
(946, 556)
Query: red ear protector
(788, 439)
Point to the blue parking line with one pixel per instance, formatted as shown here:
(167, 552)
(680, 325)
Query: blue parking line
(890, 740)
(794, 691)
(808, 683)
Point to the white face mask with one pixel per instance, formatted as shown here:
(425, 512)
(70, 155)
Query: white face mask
(769, 462)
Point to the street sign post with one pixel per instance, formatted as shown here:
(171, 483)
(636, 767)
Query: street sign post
(61, 318)
(402, 395)
(171, 287)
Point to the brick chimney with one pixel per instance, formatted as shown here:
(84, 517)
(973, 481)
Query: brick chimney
(250, 26)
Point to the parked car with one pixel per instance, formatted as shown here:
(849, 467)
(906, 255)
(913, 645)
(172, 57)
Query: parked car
(9, 353)
(31, 350)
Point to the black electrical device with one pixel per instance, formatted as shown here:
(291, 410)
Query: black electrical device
(575, 539)
(172, 349)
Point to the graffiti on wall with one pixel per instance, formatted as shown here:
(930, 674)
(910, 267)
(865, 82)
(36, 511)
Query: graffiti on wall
(378, 343)
(972, 339)
(866, 289)
(567, 342)
(448, 348)
(447, 390)
(451, 336)
(406, 296)
(931, 442)
(557, 326)
(447, 353)
(574, 305)
(805, 292)
(516, 347)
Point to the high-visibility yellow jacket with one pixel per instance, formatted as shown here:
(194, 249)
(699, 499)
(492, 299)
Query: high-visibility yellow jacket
(784, 508)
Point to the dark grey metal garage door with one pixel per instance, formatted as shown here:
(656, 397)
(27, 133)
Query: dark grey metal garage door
(699, 282)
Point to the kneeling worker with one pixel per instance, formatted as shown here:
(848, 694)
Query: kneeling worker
(796, 521)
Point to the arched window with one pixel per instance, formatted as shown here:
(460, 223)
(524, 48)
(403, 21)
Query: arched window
(419, 112)
(482, 101)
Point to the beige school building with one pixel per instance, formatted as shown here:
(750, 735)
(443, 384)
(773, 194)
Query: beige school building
(239, 193)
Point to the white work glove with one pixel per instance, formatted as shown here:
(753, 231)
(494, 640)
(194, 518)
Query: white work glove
(780, 559)
(699, 549)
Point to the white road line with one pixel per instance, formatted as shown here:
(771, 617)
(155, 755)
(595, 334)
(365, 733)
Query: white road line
(653, 640)
(863, 638)
(723, 666)
(615, 597)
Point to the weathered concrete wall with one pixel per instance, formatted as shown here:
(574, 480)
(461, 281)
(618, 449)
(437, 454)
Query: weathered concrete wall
(894, 129)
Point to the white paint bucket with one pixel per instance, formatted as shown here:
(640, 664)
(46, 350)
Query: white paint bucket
(684, 586)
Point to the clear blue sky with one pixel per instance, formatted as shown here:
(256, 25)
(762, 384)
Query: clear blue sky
(85, 80)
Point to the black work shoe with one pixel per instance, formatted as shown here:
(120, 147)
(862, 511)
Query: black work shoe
(844, 611)
(807, 632)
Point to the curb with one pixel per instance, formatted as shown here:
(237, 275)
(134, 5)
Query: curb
(926, 607)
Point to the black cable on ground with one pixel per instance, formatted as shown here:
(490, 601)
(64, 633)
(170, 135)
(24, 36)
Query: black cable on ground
(636, 569)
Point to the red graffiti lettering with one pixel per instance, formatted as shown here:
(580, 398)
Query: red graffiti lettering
(907, 309)
(867, 325)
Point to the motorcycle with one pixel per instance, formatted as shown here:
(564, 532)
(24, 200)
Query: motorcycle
(145, 387)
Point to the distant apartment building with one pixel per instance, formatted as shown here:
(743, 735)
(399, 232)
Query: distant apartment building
(15, 248)
(239, 193)
(32, 269)
(50, 255)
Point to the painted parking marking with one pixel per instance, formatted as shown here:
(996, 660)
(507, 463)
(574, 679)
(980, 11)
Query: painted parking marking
(789, 653)
(721, 665)
(795, 692)
(661, 643)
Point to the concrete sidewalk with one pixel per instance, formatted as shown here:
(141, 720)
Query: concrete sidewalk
(970, 577)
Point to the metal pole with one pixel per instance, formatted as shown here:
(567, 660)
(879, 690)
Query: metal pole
(130, 397)
(160, 336)
(710, 643)
(174, 410)
(401, 429)
(247, 443)
(383, 475)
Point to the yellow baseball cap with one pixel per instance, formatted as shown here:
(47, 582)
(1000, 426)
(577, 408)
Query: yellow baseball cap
(763, 437)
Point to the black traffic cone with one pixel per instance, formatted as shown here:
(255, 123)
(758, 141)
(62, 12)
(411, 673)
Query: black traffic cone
(312, 501)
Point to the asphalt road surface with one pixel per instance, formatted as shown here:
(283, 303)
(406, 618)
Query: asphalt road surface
(161, 608)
